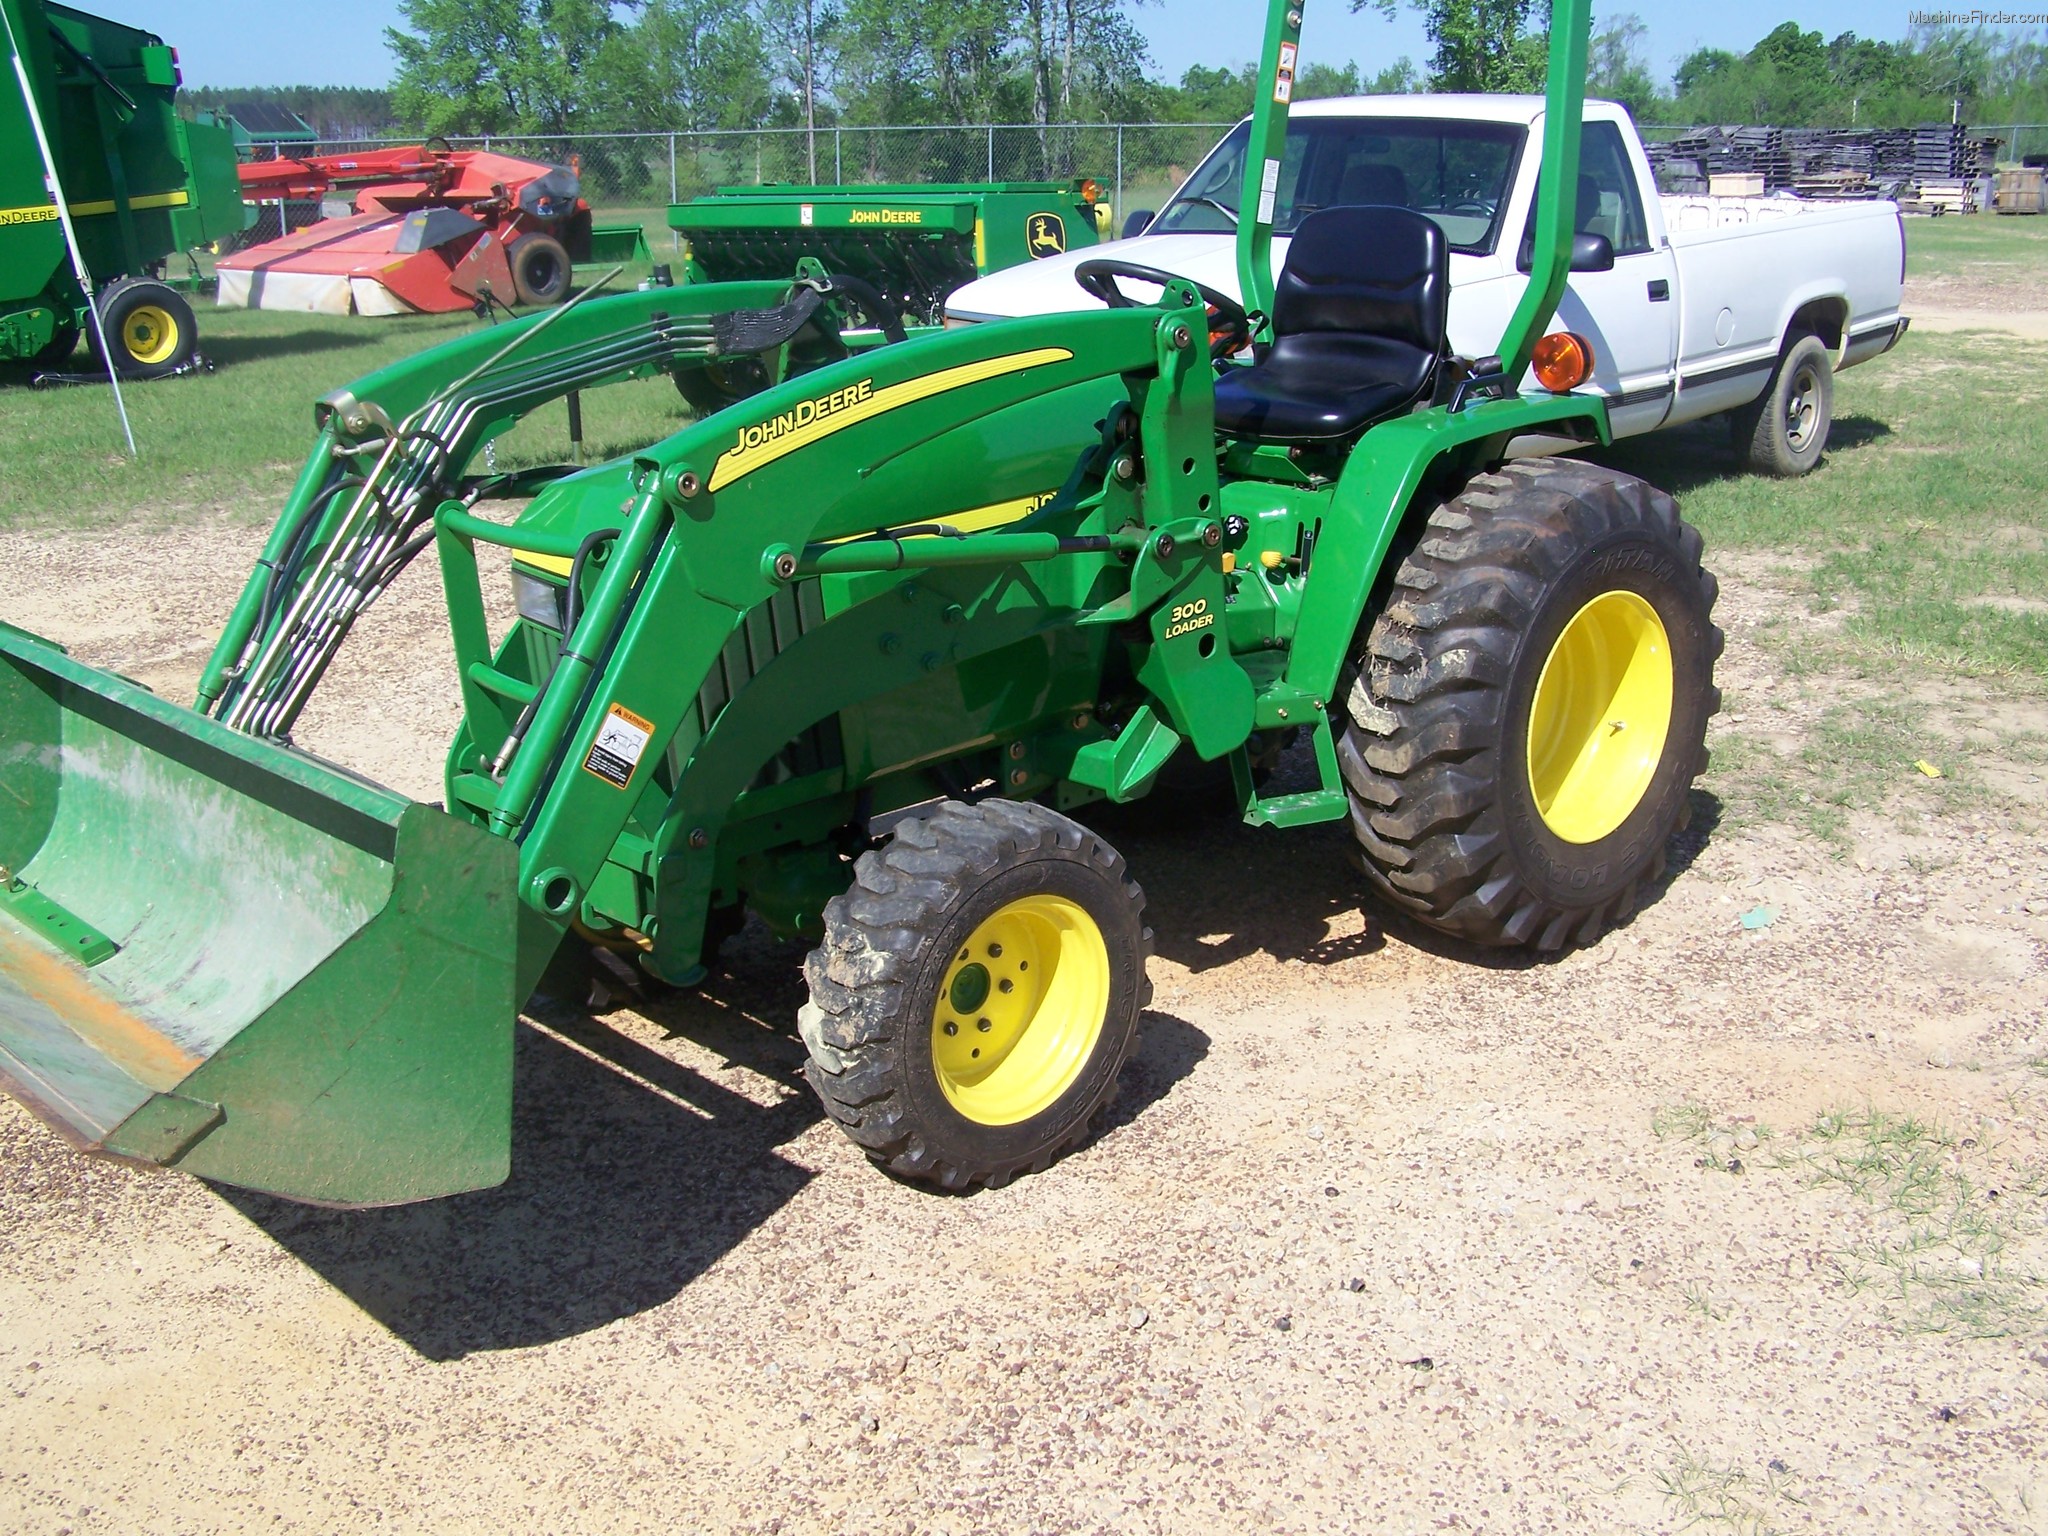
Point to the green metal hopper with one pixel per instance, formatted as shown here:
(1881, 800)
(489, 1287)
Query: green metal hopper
(915, 243)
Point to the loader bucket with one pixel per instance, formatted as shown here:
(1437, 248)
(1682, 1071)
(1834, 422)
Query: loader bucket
(218, 955)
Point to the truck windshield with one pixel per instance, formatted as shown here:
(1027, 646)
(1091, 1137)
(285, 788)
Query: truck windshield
(1456, 172)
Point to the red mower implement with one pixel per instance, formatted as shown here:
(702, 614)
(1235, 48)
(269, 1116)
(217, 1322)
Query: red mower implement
(434, 230)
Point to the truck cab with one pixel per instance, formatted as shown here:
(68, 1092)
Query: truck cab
(1690, 303)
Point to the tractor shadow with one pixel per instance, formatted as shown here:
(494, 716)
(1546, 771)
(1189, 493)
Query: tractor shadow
(632, 1173)
(1218, 891)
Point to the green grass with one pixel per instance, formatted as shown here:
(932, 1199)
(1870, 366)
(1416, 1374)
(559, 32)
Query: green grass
(234, 440)
(1943, 1229)
(1703, 1495)
(1949, 1252)
(1942, 245)
(1927, 524)
(1915, 567)
(1721, 1146)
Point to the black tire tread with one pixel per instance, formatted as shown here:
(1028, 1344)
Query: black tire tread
(1757, 430)
(877, 937)
(1420, 748)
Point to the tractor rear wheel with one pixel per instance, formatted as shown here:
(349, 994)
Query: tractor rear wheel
(1531, 707)
(148, 326)
(977, 993)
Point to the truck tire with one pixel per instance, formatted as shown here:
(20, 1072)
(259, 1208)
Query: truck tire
(1784, 431)
(149, 327)
(540, 269)
(977, 993)
(1551, 612)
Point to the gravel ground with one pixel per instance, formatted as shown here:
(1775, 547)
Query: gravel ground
(1382, 1234)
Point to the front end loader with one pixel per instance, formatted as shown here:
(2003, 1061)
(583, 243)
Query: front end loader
(846, 655)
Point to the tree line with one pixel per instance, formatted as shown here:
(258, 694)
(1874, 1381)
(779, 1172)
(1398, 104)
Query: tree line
(569, 66)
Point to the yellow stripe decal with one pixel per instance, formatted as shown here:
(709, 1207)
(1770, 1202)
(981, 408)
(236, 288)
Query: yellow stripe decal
(977, 520)
(45, 213)
(147, 200)
(555, 565)
(999, 514)
(811, 420)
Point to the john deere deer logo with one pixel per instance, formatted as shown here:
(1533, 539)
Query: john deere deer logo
(1045, 234)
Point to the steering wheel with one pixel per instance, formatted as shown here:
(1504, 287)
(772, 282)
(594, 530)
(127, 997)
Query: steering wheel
(1230, 328)
(1472, 207)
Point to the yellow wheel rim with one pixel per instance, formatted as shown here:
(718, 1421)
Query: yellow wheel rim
(1020, 1009)
(1602, 711)
(150, 334)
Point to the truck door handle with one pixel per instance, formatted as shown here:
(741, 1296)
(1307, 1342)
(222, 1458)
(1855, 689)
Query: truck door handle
(1660, 290)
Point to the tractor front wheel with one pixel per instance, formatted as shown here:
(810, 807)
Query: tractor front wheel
(1531, 707)
(977, 993)
(148, 326)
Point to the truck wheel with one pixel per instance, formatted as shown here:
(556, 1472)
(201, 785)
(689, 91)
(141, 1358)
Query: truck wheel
(540, 270)
(149, 326)
(1784, 431)
(1532, 706)
(977, 993)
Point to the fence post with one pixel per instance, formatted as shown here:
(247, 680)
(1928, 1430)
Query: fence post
(1119, 213)
(675, 236)
(991, 151)
(838, 171)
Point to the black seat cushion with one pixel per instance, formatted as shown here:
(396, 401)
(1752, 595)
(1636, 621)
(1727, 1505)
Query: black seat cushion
(1359, 315)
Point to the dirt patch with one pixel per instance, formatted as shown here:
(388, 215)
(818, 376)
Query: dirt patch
(1981, 296)
(1382, 1233)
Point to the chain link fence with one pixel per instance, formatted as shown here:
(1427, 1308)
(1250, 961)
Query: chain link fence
(637, 175)
(625, 173)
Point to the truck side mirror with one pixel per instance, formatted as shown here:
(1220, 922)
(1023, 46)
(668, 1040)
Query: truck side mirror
(1139, 221)
(1590, 253)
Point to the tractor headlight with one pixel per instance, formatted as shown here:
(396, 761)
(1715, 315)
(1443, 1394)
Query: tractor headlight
(538, 600)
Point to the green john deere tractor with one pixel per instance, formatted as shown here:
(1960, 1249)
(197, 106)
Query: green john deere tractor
(845, 655)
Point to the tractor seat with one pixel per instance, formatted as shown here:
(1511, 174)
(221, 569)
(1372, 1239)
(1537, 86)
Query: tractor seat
(1359, 315)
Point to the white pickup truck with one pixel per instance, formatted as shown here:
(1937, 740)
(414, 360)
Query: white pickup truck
(1694, 306)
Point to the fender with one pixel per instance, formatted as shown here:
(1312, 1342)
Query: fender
(1376, 495)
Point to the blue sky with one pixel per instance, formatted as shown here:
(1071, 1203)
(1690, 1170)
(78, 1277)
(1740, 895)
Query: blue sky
(262, 42)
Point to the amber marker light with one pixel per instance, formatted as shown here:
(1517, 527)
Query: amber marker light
(1563, 361)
